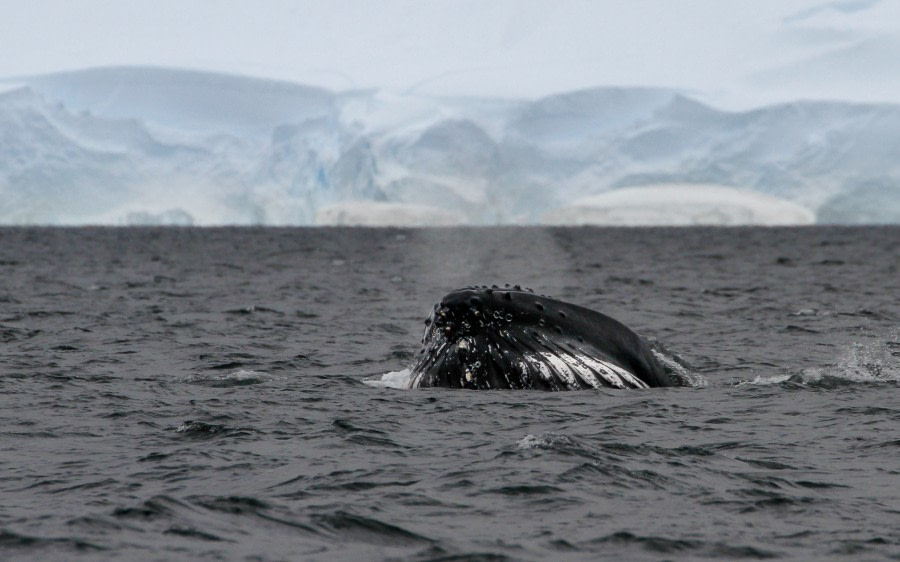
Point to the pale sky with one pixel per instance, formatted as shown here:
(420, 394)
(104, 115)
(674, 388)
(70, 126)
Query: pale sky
(733, 53)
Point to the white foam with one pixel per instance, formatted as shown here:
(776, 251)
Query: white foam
(234, 378)
(543, 441)
(869, 362)
(393, 379)
(764, 381)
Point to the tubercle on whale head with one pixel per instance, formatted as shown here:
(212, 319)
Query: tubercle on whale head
(461, 334)
(472, 309)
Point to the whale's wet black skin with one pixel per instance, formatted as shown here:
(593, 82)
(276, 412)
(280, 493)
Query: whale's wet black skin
(510, 338)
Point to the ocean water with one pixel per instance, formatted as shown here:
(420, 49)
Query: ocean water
(229, 394)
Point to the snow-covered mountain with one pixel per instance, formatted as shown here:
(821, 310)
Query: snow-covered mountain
(159, 146)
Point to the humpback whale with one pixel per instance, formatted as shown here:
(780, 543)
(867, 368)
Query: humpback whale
(511, 338)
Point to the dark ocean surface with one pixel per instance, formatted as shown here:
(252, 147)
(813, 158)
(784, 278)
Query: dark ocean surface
(187, 394)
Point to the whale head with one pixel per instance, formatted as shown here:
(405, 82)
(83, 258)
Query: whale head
(511, 338)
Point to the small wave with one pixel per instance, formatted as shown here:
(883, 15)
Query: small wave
(235, 505)
(525, 490)
(814, 377)
(878, 361)
(192, 533)
(157, 507)
(203, 429)
(545, 441)
(349, 526)
(10, 540)
(871, 362)
(765, 381)
(394, 379)
(683, 547)
(242, 377)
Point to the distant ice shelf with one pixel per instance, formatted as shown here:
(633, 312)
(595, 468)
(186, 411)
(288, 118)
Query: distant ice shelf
(158, 146)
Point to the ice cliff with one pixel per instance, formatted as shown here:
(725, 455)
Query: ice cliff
(159, 146)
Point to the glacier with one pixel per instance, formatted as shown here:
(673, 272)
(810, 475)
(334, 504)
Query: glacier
(140, 146)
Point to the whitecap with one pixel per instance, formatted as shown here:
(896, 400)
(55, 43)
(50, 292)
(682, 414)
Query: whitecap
(393, 379)
(765, 381)
(871, 362)
(235, 378)
(546, 440)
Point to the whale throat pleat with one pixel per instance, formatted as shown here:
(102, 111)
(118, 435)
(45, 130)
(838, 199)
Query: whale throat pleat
(561, 367)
